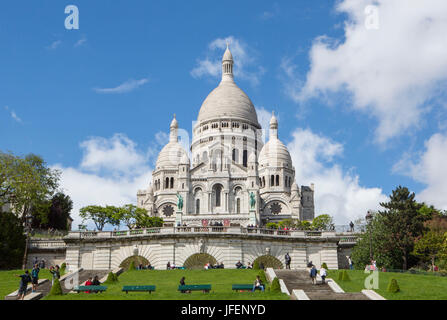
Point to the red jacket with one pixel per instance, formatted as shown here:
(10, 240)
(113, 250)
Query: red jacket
(88, 283)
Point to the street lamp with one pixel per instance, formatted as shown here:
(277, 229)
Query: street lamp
(28, 220)
(369, 218)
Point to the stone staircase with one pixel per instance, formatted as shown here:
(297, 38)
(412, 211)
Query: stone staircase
(45, 287)
(300, 280)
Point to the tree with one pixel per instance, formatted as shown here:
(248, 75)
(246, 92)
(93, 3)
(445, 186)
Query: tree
(99, 215)
(322, 222)
(12, 241)
(57, 214)
(430, 246)
(403, 222)
(26, 183)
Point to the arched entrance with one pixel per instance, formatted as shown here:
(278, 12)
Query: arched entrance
(137, 260)
(198, 261)
(269, 261)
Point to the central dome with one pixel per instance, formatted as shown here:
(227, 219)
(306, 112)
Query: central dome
(228, 100)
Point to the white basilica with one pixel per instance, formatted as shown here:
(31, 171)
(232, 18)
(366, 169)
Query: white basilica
(229, 161)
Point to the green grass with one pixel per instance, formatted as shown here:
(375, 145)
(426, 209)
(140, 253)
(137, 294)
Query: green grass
(10, 283)
(167, 282)
(412, 286)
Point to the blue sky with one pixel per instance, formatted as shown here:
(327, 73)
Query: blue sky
(97, 102)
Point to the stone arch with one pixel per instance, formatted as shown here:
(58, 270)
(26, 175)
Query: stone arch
(198, 261)
(137, 260)
(269, 261)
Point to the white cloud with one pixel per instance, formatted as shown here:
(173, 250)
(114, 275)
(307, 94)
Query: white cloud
(244, 60)
(430, 169)
(80, 42)
(54, 45)
(392, 73)
(110, 173)
(13, 115)
(337, 192)
(125, 87)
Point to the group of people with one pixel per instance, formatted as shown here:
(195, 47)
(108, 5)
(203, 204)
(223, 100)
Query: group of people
(257, 285)
(216, 266)
(33, 277)
(145, 267)
(92, 282)
(313, 274)
(40, 263)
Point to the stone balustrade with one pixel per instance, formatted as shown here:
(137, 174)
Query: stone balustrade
(201, 230)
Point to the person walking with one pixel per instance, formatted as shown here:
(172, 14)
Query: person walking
(288, 260)
(313, 274)
(24, 280)
(323, 274)
(351, 264)
(35, 277)
(258, 285)
(351, 225)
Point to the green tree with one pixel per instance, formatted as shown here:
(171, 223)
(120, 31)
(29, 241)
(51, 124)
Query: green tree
(99, 215)
(12, 241)
(430, 246)
(26, 183)
(57, 213)
(322, 222)
(403, 222)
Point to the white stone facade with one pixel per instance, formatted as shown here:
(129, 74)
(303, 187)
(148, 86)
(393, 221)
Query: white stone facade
(229, 161)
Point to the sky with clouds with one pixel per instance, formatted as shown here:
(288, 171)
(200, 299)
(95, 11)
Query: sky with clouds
(358, 86)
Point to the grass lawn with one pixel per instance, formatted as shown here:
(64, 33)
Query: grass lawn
(412, 286)
(167, 282)
(10, 283)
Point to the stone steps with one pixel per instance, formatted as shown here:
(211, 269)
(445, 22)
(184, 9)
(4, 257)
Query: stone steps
(300, 280)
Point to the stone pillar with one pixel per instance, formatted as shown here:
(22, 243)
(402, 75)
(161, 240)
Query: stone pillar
(73, 257)
(178, 218)
(252, 218)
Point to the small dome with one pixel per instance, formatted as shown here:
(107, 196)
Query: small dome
(184, 159)
(295, 187)
(170, 155)
(227, 55)
(275, 154)
(174, 123)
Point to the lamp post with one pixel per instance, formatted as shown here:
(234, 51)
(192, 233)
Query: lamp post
(28, 220)
(369, 218)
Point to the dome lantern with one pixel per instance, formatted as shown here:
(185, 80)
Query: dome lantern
(227, 65)
(273, 127)
(173, 135)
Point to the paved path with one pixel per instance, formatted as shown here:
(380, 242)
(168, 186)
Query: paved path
(299, 279)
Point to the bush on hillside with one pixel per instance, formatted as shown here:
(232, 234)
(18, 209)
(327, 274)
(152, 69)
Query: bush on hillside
(393, 287)
(256, 265)
(346, 276)
(63, 267)
(324, 265)
(262, 276)
(275, 285)
(111, 278)
(56, 289)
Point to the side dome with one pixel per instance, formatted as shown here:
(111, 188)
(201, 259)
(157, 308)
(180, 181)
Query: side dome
(275, 154)
(228, 100)
(171, 155)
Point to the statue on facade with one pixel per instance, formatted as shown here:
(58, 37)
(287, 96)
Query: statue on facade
(252, 200)
(179, 202)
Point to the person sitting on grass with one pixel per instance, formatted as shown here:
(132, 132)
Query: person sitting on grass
(249, 266)
(258, 285)
(25, 279)
(35, 277)
(149, 267)
(168, 266)
(239, 265)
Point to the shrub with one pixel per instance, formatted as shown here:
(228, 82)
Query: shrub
(256, 265)
(343, 276)
(112, 278)
(131, 266)
(340, 275)
(56, 289)
(324, 265)
(261, 275)
(393, 287)
(63, 266)
(275, 285)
